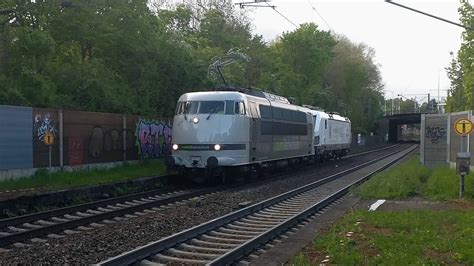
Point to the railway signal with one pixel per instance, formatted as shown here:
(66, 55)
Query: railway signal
(48, 140)
(463, 127)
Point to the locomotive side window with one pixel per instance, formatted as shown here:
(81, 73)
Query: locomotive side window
(277, 113)
(299, 117)
(242, 108)
(287, 115)
(325, 124)
(211, 107)
(179, 108)
(265, 111)
(239, 108)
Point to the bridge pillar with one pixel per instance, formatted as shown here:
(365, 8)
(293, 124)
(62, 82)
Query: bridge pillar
(392, 131)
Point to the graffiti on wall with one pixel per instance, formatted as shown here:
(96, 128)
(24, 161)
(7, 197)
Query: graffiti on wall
(435, 134)
(101, 140)
(153, 138)
(44, 123)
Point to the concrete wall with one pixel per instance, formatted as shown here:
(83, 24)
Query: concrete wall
(439, 142)
(434, 140)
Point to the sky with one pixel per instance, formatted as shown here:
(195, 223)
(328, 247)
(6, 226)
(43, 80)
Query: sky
(411, 49)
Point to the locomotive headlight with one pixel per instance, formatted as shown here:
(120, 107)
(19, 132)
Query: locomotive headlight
(175, 147)
(217, 147)
(195, 120)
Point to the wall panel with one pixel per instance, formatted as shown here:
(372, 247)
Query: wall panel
(16, 146)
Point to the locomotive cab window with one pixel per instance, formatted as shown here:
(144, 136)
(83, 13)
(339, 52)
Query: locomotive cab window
(187, 108)
(200, 107)
(211, 107)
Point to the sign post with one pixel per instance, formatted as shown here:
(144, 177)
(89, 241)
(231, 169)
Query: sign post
(49, 141)
(463, 127)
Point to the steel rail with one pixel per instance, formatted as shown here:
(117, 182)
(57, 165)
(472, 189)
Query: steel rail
(370, 151)
(148, 250)
(80, 207)
(68, 223)
(95, 204)
(240, 251)
(98, 216)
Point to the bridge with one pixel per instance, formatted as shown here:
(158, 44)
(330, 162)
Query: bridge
(395, 121)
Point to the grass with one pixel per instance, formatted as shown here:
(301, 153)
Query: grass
(64, 179)
(413, 179)
(396, 238)
(405, 237)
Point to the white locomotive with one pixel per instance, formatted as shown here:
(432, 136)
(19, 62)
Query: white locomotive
(250, 129)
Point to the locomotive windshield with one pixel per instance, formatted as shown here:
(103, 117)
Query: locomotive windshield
(211, 107)
(200, 107)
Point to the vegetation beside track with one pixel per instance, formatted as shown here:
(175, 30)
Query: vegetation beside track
(396, 238)
(65, 179)
(437, 236)
(413, 179)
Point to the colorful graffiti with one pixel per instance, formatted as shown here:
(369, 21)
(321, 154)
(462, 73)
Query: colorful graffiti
(43, 123)
(153, 139)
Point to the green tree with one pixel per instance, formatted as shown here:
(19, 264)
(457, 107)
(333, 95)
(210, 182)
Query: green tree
(461, 69)
(301, 58)
(354, 84)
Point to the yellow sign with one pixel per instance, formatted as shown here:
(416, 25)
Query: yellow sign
(48, 139)
(463, 126)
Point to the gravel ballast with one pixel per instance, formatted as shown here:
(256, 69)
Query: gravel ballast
(100, 243)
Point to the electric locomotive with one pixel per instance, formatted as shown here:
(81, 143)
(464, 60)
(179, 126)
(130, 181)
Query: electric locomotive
(332, 134)
(244, 129)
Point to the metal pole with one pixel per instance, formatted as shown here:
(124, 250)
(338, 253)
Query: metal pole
(463, 144)
(429, 104)
(461, 187)
(50, 149)
(61, 139)
(124, 137)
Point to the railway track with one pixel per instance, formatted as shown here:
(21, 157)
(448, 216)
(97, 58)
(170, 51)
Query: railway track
(62, 220)
(35, 225)
(232, 237)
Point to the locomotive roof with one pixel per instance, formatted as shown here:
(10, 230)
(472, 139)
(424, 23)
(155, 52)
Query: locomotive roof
(238, 95)
(212, 95)
(232, 95)
(328, 115)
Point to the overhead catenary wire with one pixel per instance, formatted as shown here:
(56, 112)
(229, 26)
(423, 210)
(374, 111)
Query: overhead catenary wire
(287, 19)
(316, 11)
(429, 15)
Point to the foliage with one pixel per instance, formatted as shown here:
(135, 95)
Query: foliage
(396, 238)
(461, 69)
(138, 57)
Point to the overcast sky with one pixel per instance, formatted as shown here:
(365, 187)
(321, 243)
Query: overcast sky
(411, 48)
